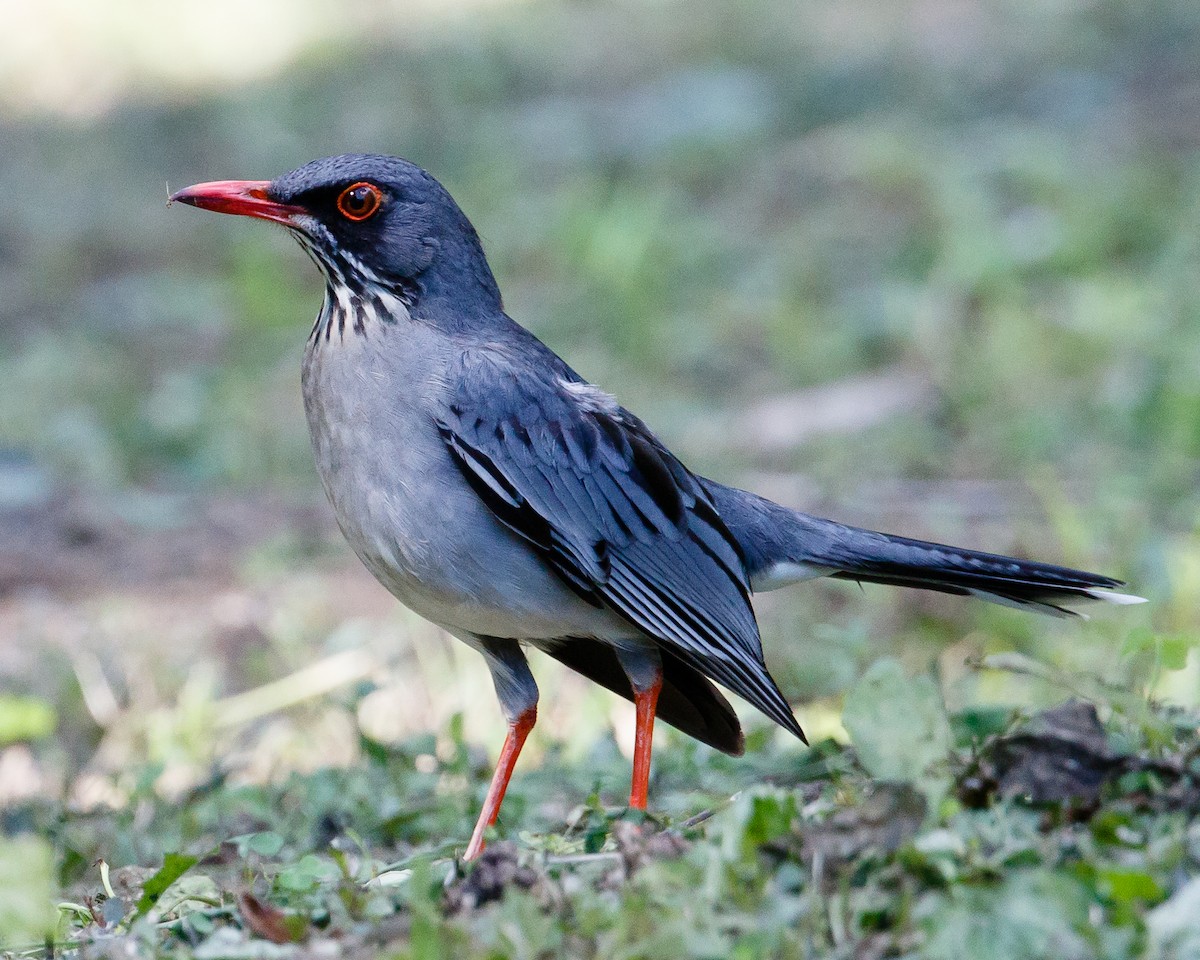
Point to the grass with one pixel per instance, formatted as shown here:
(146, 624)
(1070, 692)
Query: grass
(704, 208)
(978, 844)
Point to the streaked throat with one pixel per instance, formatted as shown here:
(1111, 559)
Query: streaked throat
(358, 302)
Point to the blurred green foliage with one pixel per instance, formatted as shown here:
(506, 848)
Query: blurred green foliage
(699, 207)
(728, 203)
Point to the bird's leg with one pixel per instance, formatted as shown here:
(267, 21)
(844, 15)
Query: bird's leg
(518, 696)
(646, 703)
(518, 730)
(643, 665)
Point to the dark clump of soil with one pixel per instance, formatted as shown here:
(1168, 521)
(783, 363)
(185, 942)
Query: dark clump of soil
(1062, 758)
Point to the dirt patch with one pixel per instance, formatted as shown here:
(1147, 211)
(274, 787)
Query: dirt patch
(71, 545)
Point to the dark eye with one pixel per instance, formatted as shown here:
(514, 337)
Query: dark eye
(359, 201)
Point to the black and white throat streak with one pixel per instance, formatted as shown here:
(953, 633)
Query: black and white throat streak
(357, 300)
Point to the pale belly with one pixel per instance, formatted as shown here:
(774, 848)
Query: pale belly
(407, 512)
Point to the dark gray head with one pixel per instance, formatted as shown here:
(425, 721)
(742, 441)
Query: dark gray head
(371, 220)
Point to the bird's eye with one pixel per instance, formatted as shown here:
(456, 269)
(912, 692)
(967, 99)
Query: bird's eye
(359, 201)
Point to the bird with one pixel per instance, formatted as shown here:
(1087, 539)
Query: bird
(500, 495)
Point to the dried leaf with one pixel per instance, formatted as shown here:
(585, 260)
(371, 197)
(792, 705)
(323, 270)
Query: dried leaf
(269, 922)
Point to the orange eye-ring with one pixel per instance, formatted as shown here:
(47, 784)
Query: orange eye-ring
(359, 201)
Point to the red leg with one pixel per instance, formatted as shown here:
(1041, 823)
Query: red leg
(517, 732)
(646, 703)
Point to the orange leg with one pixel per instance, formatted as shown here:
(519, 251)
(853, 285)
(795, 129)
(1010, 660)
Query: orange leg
(518, 730)
(646, 703)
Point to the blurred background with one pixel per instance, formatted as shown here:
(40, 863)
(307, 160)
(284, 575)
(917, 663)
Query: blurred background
(928, 266)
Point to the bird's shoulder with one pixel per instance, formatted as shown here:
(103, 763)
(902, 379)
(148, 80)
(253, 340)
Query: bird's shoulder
(522, 376)
(520, 402)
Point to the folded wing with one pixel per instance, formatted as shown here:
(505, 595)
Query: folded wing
(620, 520)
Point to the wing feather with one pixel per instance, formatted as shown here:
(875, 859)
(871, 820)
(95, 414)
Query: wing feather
(621, 521)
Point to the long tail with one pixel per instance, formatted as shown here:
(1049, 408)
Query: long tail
(783, 546)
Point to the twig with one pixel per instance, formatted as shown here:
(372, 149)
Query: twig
(317, 679)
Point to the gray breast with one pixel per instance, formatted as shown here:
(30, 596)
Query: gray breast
(372, 403)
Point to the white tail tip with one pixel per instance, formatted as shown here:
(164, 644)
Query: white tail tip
(1108, 596)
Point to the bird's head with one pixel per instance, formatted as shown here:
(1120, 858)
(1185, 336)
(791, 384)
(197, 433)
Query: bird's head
(370, 220)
